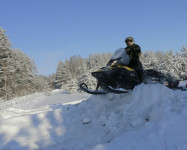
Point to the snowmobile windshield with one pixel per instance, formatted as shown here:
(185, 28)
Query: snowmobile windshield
(121, 55)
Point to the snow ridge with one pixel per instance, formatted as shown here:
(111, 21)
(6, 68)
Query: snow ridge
(106, 122)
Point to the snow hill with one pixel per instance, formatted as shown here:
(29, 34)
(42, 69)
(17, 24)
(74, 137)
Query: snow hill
(151, 117)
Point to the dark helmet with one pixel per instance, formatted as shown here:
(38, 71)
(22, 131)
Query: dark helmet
(130, 38)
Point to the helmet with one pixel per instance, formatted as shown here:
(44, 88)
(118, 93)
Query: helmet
(130, 38)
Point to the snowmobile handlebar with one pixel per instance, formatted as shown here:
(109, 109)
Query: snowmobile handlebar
(114, 62)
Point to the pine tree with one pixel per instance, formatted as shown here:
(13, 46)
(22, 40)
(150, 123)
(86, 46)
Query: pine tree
(63, 75)
(183, 62)
(184, 52)
(59, 75)
(5, 60)
(72, 86)
(66, 76)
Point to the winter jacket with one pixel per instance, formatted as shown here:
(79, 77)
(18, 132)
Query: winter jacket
(134, 52)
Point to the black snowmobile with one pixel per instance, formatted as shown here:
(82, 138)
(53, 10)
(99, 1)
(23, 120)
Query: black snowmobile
(116, 77)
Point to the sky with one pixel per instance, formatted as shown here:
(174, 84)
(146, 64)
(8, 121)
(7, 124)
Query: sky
(52, 30)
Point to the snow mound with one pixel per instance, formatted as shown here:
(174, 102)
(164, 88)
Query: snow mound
(102, 122)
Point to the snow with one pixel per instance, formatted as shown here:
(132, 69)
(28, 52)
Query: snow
(151, 117)
(183, 83)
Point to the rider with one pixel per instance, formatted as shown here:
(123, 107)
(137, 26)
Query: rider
(134, 52)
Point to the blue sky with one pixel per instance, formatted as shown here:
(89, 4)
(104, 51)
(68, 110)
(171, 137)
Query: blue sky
(53, 30)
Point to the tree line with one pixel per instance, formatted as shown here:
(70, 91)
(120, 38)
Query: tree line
(18, 72)
(72, 72)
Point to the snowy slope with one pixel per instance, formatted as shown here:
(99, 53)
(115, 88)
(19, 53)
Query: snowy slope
(150, 117)
(37, 100)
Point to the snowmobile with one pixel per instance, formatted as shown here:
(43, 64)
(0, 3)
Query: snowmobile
(118, 78)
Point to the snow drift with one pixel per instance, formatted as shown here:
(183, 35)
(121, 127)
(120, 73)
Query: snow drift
(150, 117)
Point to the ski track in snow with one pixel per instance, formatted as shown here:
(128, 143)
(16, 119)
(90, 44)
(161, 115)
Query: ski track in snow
(150, 117)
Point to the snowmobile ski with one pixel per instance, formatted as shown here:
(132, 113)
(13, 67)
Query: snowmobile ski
(84, 87)
(111, 90)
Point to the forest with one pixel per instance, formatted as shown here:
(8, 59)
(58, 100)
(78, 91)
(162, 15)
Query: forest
(19, 77)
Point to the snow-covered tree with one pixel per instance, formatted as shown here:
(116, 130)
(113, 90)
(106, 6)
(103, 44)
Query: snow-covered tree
(151, 59)
(4, 41)
(76, 66)
(77, 70)
(167, 62)
(96, 61)
(72, 86)
(41, 84)
(63, 75)
(5, 61)
(182, 58)
(184, 52)
(59, 75)
(17, 72)
(88, 79)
